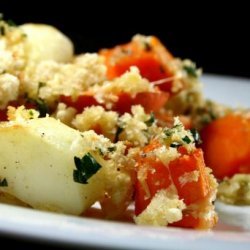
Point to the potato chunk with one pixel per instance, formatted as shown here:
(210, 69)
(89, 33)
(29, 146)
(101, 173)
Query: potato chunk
(44, 42)
(37, 160)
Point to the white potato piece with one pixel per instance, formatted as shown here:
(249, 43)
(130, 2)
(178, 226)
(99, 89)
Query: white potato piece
(45, 42)
(37, 160)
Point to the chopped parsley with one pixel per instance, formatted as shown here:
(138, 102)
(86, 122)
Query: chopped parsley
(2, 30)
(85, 168)
(100, 151)
(170, 131)
(196, 136)
(41, 84)
(175, 144)
(118, 132)
(3, 183)
(31, 114)
(11, 23)
(191, 70)
(151, 120)
(205, 119)
(39, 103)
(212, 115)
(42, 107)
(186, 139)
(112, 149)
(178, 127)
(207, 113)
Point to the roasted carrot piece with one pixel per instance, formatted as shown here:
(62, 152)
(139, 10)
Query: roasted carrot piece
(147, 53)
(166, 119)
(226, 145)
(151, 101)
(156, 173)
(149, 172)
(188, 175)
(191, 221)
(84, 100)
(188, 221)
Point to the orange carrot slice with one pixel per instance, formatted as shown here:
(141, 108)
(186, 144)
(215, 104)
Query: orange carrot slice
(226, 145)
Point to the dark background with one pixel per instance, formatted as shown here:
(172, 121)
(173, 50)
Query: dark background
(216, 38)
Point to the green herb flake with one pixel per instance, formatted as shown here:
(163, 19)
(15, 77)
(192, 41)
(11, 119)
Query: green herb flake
(196, 136)
(85, 168)
(118, 132)
(3, 183)
(175, 144)
(31, 113)
(151, 120)
(100, 151)
(205, 119)
(191, 70)
(11, 23)
(2, 30)
(112, 149)
(41, 84)
(168, 132)
(42, 107)
(187, 139)
(178, 127)
(212, 115)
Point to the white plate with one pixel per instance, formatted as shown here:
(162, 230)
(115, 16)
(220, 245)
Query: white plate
(63, 229)
(234, 215)
(227, 90)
